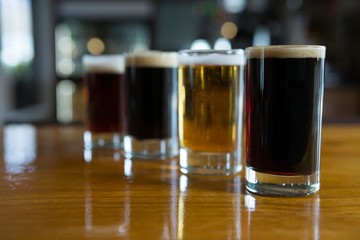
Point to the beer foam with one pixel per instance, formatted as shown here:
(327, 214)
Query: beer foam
(103, 63)
(153, 59)
(212, 57)
(286, 51)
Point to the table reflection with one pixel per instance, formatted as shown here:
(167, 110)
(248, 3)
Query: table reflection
(107, 196)
(98, 154)
(250, 202)
(305, 210)
(173, 223)
(19, 148)
(162, 176)
(115, 186)
(190, 209)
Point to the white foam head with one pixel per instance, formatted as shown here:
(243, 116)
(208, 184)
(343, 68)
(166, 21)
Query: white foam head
(104, 63)
(212, 57)
(153, 59)
(286, 51)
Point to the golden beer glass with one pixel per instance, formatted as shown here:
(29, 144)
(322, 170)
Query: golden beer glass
(210, 111)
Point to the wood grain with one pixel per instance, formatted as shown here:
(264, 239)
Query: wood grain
(62, 192)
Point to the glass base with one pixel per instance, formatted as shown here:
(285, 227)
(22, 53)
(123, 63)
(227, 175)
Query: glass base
(150, 148)
(280, 185)
(209, 163)
(102, 140)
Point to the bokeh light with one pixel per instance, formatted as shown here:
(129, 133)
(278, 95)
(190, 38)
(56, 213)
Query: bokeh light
(95, 46)
(229, 30)
(200, 44)
(222, 44)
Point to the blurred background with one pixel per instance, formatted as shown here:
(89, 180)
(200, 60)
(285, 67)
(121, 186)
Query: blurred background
(42, 42)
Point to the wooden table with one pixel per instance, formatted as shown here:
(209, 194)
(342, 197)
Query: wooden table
(51, 189)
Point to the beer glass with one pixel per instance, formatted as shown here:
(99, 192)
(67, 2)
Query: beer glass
(152, 80)
(104, 100)
(284, 98)
(210, 110)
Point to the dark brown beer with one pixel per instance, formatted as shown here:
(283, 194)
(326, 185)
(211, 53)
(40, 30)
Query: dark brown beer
(152, 95)
(105, 95)
(284, 94)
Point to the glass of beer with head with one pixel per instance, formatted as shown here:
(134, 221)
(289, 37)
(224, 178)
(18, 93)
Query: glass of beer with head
(210, 111)
(104, 100)
(284, 99)
(152, 83)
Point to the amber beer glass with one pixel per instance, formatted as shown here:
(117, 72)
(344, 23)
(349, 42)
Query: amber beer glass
(104, 100)
(284, 99)
(152, 83)
(210, 110)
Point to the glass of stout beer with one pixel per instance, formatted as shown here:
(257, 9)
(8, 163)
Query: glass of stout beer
(210, 111)
(284, 98)
(152, 83)
(105, 100)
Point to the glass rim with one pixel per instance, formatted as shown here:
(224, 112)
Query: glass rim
(89, 57)
(150, 53)
(103, 63)
(288, 46)
(202, 52)
(152, 58)
(212, 57)
(283, 51)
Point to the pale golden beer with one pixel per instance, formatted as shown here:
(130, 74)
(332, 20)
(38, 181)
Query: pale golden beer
(208, 98)
(210, 109)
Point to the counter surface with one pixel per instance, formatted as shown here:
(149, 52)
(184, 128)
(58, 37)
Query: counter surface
(50, 188)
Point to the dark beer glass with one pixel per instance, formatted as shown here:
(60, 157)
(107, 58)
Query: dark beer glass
(152, 83)
(104, 100)
(210, 110)
(284, 99)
